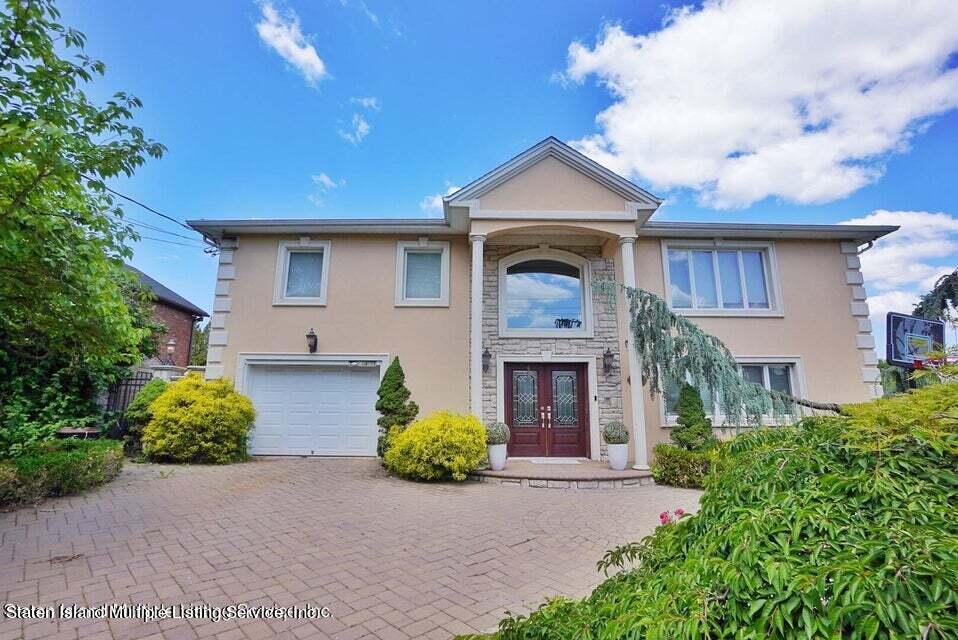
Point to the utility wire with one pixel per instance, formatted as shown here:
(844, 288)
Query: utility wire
(182, 244)
(151, 227)
(140, 204)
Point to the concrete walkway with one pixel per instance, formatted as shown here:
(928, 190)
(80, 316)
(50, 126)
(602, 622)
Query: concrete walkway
(389, 558)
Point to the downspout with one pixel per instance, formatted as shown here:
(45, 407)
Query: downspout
(871, 243)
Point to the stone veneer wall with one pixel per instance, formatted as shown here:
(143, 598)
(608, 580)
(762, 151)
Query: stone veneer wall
(605, 335)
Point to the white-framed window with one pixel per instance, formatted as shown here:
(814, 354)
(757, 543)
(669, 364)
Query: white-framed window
(302, 271)
(422, 273)
(545, 293)
(777, 373)
(719, 278)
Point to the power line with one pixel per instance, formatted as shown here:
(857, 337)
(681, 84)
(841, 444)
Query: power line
(182, 244)
(139, 204)
(152, 227)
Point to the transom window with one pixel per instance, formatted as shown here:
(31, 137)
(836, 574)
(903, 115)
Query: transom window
(302, 269)
(544, 295)
(719, 279)
(773, 376)
(422, 273)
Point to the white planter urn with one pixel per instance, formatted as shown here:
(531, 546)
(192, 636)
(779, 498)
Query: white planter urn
(497, 456)
(618, 456)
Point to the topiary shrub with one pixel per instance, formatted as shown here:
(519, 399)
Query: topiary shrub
(497, 433)
(393, 404)
(615, 433)
(59, 468)
(441, 446)
(197, 420)
(692, 430)
(138, 414)
(680, 467)
(840, 527)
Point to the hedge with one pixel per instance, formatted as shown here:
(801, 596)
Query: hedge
(838, 527)
(59, 468)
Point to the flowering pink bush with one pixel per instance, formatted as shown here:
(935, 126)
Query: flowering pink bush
(668, 518)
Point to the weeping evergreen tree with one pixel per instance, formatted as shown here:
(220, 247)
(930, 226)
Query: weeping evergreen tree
(672, 346)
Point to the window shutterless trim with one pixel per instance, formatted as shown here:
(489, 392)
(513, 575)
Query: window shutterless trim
(303, 245)
(769, 268)
(403, 247)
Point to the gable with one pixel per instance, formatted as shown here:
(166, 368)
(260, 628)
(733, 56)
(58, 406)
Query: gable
(551, 185)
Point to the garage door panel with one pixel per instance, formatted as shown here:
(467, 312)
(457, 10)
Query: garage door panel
(313, 410)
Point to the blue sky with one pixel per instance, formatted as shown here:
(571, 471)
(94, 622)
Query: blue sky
(368, 109)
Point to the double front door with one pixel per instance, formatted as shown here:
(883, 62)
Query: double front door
(547, 409)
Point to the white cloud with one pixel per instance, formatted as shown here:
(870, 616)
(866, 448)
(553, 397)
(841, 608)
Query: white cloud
(744, 99)
(433, 204)
(360, 129)
(903, 266)
(282, 33)
(364, 9)
(370, 103)
(324, 184)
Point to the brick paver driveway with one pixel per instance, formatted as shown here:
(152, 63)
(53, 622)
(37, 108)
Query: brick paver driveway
(391, 559)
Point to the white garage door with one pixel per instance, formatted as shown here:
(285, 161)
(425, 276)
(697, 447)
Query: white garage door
(313, 410)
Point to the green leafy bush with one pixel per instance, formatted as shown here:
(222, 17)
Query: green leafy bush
(138, 414)
(196, 420)
(615, 433)
(441, 446)
(840, 527)
(59, 468)
(692, 430)
(497, 433)
(680, 467)
(393, 404)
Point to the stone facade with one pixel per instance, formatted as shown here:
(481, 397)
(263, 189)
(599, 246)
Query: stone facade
(605, 335)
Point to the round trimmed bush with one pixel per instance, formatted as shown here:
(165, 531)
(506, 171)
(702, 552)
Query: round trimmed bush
(497, 433)
(196, 420)
(615, 433)
(441, 446)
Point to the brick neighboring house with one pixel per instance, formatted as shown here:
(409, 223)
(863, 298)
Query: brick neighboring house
(178, 315)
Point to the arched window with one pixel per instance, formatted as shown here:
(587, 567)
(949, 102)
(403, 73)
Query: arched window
(544, 293)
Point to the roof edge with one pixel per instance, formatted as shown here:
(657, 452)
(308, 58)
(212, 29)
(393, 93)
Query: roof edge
(862, 233)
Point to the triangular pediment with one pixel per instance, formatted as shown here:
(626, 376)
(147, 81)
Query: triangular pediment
(553, 176)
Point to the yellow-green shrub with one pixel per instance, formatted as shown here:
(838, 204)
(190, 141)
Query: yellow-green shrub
(195, 420)
(440, 446)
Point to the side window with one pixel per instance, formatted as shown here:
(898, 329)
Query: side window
(302, 271)
(774, 376)
(720, 279)
(422, 274)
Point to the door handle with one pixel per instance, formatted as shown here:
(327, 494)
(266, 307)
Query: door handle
(548, 417)
(542, 418)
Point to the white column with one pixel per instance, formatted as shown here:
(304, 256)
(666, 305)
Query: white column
(475, 327)
(636, 392)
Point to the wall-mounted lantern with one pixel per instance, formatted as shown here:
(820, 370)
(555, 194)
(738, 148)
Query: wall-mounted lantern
(311, 341)
(608, 359)
(170, 349)
(486, 360)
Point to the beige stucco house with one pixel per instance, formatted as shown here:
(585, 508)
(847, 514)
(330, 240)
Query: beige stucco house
(491, 310)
